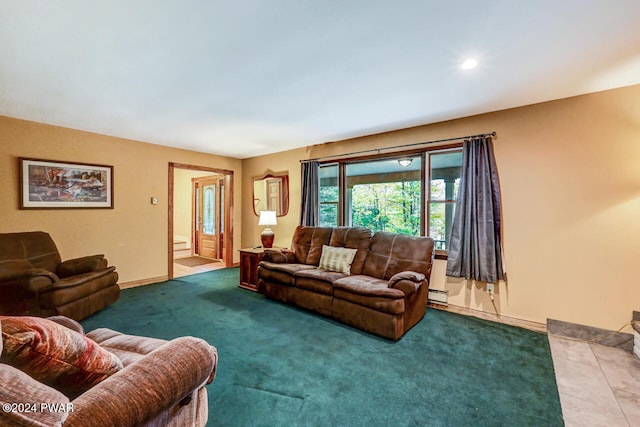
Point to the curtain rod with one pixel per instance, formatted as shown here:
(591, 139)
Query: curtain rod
(378, 150)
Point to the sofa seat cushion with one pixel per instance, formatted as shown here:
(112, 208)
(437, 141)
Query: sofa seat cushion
(318, 280)
(369, 292)
(281, 273)
(55, 355)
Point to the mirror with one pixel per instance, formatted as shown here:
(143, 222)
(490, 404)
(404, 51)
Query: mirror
(271, 193)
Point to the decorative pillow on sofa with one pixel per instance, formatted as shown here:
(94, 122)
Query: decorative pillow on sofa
(55, 355)
(337, 259)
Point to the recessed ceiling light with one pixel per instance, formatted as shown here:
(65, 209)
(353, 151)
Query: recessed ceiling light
(469, 63)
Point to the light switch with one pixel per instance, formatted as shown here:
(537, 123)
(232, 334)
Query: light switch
(154, 200)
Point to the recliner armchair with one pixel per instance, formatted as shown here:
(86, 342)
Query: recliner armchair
(35, 281)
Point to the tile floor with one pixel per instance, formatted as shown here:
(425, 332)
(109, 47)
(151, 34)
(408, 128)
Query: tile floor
(598, 385)
(180, 270)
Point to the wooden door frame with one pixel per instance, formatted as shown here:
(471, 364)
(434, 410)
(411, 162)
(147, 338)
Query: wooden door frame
(197, 205)
(228, 211)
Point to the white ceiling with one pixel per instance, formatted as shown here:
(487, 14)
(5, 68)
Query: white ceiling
(249, 77)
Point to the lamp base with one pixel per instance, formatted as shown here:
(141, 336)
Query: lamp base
(267, 237)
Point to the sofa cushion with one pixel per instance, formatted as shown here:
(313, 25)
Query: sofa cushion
(55, 355)
(14, 268)
(337, 259)
(369, 292)
(368, 286)
(37, 247)
(355, 238)
(307, 243)
(280, 273)
(391, 253)
(317, 280)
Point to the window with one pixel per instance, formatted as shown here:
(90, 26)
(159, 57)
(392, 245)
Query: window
(383, 195)
(329, 196)
(444, 179)
(390, 193)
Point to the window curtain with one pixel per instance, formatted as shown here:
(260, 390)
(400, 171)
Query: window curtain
(310, 190)
(475, 248)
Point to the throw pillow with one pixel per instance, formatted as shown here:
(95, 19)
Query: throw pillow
(55, 355)
(337, 259)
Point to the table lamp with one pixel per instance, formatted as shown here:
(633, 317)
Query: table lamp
(267, 218)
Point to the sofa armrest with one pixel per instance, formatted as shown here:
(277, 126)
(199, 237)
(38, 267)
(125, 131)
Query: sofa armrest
(407, 281)
(37, 280)
(79, 279)
(279, 255)
(20, 388)
(163, 378)
(81, 265)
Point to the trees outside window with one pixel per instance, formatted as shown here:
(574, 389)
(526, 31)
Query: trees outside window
(391, 193)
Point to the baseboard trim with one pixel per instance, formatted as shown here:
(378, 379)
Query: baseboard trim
(512, 321)
(143, 282)
(591, 334)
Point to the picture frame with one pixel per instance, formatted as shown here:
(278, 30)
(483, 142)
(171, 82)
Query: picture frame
(53, 184)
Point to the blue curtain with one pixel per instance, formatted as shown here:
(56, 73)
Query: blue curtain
(475, 248)
(310, 190)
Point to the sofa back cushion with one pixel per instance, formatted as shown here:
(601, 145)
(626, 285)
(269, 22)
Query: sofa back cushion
(307, 243)
(391, 253)
(37, 247)
(353, 238)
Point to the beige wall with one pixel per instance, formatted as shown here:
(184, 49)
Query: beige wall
(570, 177)
(133, 235)
(288, 161)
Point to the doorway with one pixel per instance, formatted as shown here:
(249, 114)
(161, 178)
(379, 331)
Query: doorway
(208, 216)
(200, 219)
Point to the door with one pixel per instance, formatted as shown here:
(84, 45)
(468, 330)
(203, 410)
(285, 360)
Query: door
(274, 195)
(208, 218)
(224, 207)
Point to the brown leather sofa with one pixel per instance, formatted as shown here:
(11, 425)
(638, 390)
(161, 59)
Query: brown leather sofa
(34, 281)
(385, 292)
(160, 383)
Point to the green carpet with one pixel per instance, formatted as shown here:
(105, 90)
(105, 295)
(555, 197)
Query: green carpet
(281, 366)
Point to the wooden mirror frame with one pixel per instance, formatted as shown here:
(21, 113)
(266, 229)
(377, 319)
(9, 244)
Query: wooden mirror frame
(283, 188)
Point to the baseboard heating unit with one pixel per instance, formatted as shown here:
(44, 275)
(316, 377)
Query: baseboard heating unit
(437, 296)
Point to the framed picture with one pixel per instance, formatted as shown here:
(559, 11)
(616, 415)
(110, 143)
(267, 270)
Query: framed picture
(50, 184)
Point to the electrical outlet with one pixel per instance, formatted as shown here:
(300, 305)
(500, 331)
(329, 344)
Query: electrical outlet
(489, 288)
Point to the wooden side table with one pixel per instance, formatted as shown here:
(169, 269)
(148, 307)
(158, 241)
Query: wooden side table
(249, 259)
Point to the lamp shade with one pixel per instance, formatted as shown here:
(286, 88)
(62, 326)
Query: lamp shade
(268, 218)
